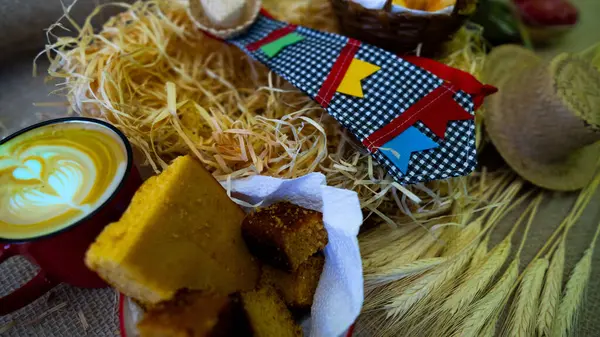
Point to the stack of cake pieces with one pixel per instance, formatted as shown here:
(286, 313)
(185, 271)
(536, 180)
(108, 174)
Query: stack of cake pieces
(189, 255)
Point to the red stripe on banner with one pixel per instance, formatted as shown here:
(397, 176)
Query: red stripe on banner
(440, 102)
(463, 80)
(273, 36)
(337, 73)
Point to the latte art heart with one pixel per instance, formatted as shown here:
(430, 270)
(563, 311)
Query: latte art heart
(32, 169)
(52, 178)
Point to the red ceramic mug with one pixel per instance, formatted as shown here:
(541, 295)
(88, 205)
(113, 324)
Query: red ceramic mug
(60, 254)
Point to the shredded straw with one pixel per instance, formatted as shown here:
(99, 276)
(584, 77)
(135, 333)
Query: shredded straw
(172, 90)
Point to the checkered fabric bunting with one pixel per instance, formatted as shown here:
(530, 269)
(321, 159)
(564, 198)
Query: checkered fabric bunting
(317, 62)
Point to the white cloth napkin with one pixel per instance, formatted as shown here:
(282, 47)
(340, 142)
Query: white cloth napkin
(339, 296)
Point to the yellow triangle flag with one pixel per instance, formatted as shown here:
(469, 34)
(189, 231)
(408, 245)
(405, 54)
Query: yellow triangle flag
(357, 71)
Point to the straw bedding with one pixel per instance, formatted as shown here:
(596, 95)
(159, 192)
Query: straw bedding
(173, 91)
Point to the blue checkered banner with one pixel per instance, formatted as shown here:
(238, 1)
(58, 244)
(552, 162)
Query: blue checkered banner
(397, 109)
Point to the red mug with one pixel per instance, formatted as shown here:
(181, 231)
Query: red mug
(60, 255)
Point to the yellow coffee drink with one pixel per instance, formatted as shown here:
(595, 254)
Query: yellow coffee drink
(55, 175)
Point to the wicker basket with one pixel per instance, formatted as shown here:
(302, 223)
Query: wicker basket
(401, 32)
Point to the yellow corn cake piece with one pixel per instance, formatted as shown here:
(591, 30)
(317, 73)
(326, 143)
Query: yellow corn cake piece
(267, 314)
(297, 288)
(181, 230)
(196, 314)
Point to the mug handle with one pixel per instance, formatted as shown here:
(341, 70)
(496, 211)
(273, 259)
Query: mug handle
(29, 292)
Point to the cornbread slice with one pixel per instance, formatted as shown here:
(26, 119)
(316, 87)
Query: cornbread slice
(297, 288)
(181, 231)
(196, 314)
(267, 314)
(284, 235)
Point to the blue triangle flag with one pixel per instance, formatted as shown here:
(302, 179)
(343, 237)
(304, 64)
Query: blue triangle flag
(399, 149)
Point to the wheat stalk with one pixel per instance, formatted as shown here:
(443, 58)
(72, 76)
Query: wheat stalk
(480, 255)
(410, 269)
(573, 297)
(377, 297)
(490, 305)
(476, 283)
(460, 251)
(391, 251)
(436, 249)
(423, 282)
(489, 330)
(574, 292)
(551, 294)
(434, 279)
(467, 235)
(381, 236)
(477, 280)
(474, 321)
(550, 299)
(525, 306)
(411, 253)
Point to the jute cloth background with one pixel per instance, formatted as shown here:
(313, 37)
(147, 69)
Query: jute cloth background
(70, 312)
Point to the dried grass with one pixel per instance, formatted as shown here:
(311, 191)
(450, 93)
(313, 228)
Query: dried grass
(83, 320)
(229, 111)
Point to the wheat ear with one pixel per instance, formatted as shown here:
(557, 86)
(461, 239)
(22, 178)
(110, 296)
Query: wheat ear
(381, 236)
(476, 281)
(480, 255)
(411, 253)
(489, 330)
(574, 292)
(423, 313)
(490, 305)
(410, 269)
(436, 249)
(525, 305)
(391, 251)
(551, 293)
(436, 278)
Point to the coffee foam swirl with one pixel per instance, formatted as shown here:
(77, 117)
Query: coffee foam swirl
(53, 176)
